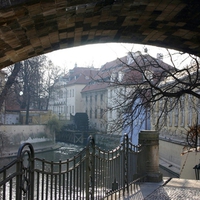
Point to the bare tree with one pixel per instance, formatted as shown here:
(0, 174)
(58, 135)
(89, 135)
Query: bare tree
(33, 83)
(10, 81)
(143, 82)
(51, 74)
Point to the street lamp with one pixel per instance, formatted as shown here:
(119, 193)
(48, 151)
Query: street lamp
(197, 171)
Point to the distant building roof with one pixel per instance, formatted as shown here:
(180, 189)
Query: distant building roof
(80, 75)
(130, 68)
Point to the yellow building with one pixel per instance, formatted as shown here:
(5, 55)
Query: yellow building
(36, 117)
(176, 143)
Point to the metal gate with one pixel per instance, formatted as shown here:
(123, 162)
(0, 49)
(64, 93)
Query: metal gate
(91, 174)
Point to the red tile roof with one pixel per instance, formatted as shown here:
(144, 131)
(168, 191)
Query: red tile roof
(132, 72)
(80, 75)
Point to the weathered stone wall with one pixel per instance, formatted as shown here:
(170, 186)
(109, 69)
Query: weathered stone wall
(170, 151)
(188, 161)
(108, 141)
(15, 134)
(148, 160)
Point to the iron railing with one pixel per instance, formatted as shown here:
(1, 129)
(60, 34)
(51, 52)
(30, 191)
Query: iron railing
(91, 174)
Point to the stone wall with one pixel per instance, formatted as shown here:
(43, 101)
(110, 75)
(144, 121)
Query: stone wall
(12, 135)
(107, 141)
(170, 151)
(148, 160)
(188, 161)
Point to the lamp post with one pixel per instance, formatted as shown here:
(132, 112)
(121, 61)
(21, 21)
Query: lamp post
(197, 171)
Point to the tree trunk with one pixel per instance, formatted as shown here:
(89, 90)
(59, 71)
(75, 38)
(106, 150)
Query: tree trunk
(9, 83)
(27, 109)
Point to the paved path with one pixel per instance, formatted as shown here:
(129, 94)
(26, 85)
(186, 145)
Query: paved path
(166, 193)
(169, 189)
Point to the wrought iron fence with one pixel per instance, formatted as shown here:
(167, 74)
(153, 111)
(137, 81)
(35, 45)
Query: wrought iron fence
(91, 174)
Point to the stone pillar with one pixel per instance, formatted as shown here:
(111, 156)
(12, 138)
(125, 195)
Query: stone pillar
(148, 161)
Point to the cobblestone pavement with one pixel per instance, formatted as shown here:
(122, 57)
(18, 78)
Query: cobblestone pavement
(168, 193)
(174, 193)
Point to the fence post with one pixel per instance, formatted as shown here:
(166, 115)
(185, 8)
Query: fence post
(125, 156)
(148, 160)
(25, 172)
(90, 171)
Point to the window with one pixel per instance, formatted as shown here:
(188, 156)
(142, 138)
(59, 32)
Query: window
(30, 119)
(73, 93)
(110, 113)
(95, 113)
(198, 111)
(86, 99)
(60, 94)
(73, 109)
(176, 116)
(96, 98)
(90, 113)
(148, 75)
(101, 98)
(120, 76)
(101, 113)
(182, 111)
(170, 113)
(190, 110)
(90, 99)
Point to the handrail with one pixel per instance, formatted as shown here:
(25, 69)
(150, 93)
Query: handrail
(91, 174)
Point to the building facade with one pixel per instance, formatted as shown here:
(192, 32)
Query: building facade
(57, 102)
(178, 129)
(114, 82)
(2, 84)
(66, 96)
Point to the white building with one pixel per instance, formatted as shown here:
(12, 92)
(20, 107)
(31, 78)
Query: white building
(58, 100)
(66, 99)
(115, 83)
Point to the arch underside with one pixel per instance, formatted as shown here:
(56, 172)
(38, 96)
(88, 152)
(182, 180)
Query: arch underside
(30, 27)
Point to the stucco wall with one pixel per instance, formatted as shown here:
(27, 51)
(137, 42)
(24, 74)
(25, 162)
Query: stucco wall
(170, 151)
(188, 161)
(14, 134)
(108, 141)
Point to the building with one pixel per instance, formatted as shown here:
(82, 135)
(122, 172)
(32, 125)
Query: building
(105, 97)
(2, 84)
(66, 96)
(177, 142)
(95, 96)
(36, 117)
(57, 101)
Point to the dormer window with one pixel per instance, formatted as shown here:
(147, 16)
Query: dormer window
(148, 75)
(120, 76)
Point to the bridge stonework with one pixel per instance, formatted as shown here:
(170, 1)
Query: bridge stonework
(33, 27)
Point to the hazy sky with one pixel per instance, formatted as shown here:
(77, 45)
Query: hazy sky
(96, 54)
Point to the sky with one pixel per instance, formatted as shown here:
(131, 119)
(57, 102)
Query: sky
(97, 54)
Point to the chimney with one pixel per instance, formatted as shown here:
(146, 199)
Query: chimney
(160, 56)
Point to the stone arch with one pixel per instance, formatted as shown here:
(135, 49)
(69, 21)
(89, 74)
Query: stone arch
(33, 27)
